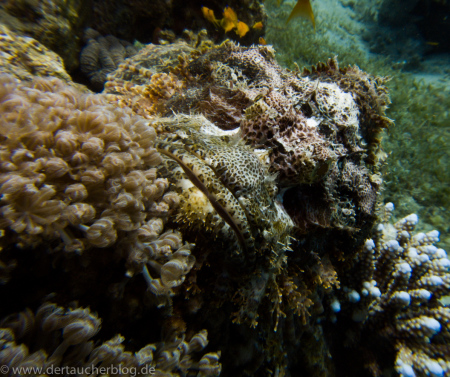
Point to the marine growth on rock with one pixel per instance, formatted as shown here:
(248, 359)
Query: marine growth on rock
(216, 210)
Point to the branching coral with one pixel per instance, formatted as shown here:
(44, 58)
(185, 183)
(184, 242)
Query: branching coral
(393, 290)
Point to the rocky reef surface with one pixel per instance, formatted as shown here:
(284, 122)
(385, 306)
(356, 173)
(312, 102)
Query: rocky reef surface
(211, 213)
(60, 25)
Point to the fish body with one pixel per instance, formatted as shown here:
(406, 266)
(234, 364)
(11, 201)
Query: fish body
(262, 41)
(230, 15)
(258, 25)
(209, 15)
(227, 24)
(303, 9)
(242, 29)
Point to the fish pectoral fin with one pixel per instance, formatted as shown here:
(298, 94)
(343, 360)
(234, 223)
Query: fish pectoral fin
(303, 9)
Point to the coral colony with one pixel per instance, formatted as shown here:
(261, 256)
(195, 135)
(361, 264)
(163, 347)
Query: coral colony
(211, 214)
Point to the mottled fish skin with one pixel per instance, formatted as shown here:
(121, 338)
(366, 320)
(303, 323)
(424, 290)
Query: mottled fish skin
(241, 172)
(235, 182)
(223, 201)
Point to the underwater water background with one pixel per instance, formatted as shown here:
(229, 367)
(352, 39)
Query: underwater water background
(183, 294)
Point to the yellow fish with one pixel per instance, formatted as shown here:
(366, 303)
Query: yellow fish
(262, 41)
(230, 15)
(241, 29)
(209, 15)
(229, 20)
(227, 24)
(303, 9)
(258, 25)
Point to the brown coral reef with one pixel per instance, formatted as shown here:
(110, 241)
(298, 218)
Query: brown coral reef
(218, 213)
(102, 55)
(56, 24)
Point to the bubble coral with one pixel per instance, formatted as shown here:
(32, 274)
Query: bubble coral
(74, 167)
(42, 340)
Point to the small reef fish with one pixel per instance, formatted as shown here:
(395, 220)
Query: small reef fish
(209, 15)
(262, 41)
(242, 29)
(228, 22)
(230, 15)
(227, 25)
(302, 9)
(258, 25)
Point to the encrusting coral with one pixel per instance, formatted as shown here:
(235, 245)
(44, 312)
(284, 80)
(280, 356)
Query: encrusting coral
(25, 57)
